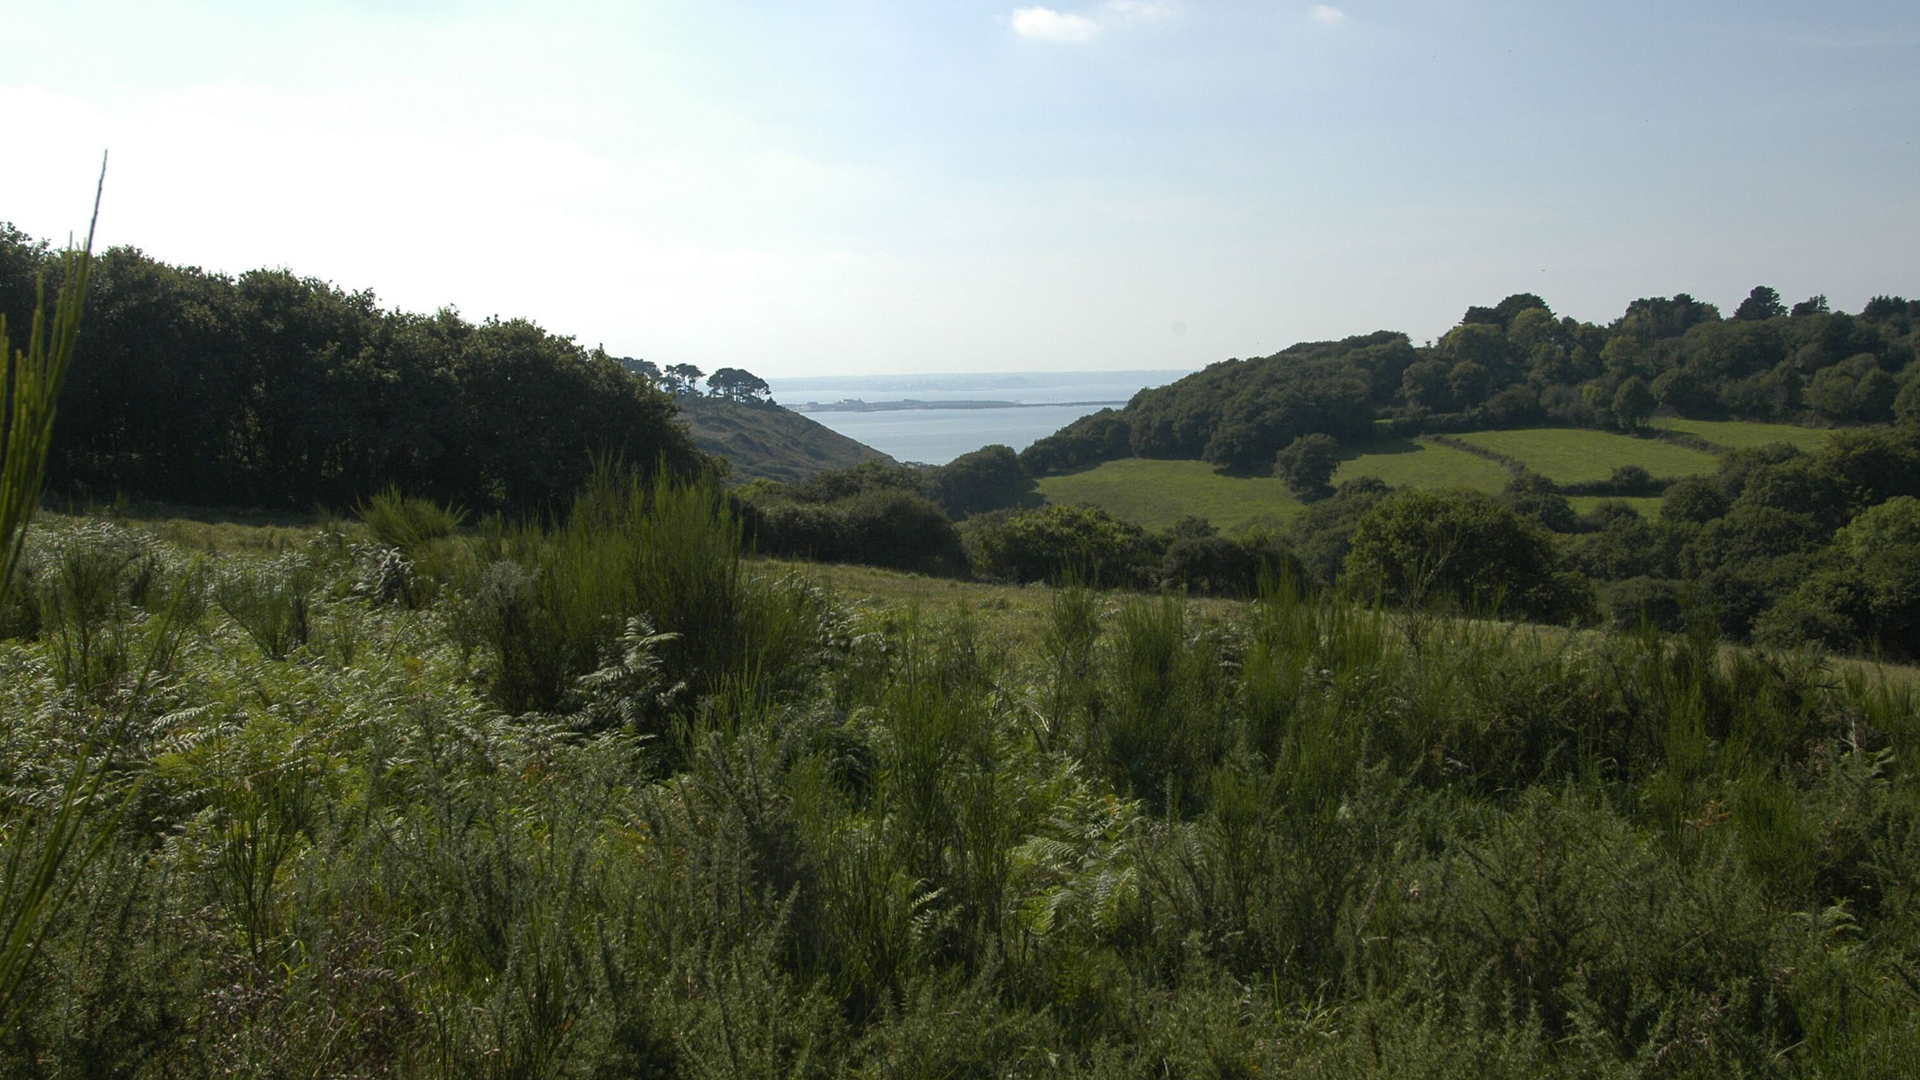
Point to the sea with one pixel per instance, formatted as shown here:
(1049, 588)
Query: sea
(879, 410)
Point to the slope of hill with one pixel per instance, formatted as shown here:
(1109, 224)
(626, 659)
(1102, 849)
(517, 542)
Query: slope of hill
(768, 441)
(1155, 493)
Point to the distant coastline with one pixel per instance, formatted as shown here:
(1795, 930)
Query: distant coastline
(904, 404)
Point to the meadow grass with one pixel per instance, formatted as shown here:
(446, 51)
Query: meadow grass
(1581, 456)
(210, 530)
(1017, 616)
(1154, 494)
(1410, 463)
(1742, 434)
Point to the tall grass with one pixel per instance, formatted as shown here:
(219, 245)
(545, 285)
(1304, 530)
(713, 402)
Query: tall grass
(39, 848)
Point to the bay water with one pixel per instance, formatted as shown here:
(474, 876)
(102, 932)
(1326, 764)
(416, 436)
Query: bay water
(1037, 404)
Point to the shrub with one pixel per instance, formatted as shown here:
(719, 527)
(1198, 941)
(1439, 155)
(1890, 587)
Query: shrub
(882, 526)
(1307, 464)
(1049, 543)
(1696, 500)
(987, 479)
(1644, 602)
(1221, 566)
(1464, 548)
(1534, 496)
(409, 524)
(271, 600)
(553, 606)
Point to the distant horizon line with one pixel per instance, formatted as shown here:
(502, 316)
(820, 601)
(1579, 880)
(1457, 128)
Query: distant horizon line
(1027, 374)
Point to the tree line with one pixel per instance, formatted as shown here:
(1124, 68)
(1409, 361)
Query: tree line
(1518, 364)
(682, 380)
(270, 389)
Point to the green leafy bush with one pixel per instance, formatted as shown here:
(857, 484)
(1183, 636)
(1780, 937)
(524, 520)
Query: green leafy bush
(1049, 543)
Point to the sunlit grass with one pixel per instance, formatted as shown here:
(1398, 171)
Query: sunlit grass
(1155, 494)
(1409, 463)
(1740, 434)
(1580, 456)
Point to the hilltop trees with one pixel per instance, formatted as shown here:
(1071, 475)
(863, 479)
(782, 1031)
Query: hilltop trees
(1517, 363)
(1240, 413)
(275, 390)
(1762, 303)
(681, 379)
(738, 384)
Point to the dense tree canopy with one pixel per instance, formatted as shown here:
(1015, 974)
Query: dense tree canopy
(1307, 464)
(989, 478)
(1516, 364)
(1465, 547)
(271, 389)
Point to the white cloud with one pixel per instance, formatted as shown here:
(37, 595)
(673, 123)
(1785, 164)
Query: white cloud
(1046, 24)
(1326, 15)
(1143, 10)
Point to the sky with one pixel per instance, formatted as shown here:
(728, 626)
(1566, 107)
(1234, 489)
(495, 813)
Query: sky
(866, 186)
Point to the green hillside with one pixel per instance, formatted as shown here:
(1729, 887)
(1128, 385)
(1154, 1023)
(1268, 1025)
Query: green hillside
(1742, 434)
(1158, 493)
(1579, 456)
(766, 441)
(1418, 463)
(1155, 493)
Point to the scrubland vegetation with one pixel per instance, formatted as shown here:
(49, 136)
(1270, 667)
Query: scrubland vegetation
(537, 767)
(600, 799)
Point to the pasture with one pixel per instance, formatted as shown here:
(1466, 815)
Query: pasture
(1582, 456)
(1155, 494)
(1741, 434)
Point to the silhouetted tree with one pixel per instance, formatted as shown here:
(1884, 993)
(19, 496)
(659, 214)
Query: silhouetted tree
(739, 385)
(1761, 303)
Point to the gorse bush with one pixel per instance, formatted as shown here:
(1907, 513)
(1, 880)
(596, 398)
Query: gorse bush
(408, 523)
(551, 603)
(272, 602)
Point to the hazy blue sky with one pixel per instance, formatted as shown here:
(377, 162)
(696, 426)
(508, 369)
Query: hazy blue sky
(870, 185)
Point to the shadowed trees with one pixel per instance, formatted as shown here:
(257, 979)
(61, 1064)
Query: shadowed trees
(271, 389)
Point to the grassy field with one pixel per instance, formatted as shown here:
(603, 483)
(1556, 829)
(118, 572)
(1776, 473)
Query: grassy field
(1407, 463)
(1156, 494)
(1739, 435)
(1579, 456)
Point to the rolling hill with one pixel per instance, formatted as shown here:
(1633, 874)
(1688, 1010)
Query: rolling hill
(769, 441)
